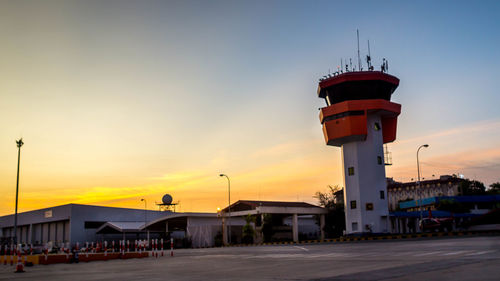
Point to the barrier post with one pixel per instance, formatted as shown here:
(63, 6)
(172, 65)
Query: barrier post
(77, 250)
(46, 251)
(171, 247)
(128, 246)
(156, 248)
(161, 242)
(113, 246)
(25, 256)
(105, 248)
(12, 254)
(67, 250)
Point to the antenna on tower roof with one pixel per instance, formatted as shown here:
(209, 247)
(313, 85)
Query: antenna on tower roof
(359, 58)
(369, 58)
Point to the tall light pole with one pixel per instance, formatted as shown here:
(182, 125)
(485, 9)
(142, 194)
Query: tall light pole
(229, 207)
(145, 217)
(419, 185)
(19, 144)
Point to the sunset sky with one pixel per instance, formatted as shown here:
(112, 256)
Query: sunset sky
(122, 100)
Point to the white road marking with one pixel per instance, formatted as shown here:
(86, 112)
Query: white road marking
(480, 253)
(302, 248)
(426, 254)
(453, 253)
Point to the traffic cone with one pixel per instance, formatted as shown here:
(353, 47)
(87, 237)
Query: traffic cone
(19, 266)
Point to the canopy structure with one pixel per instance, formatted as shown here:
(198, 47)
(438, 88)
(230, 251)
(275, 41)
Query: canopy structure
(243, 208)
(112, 227)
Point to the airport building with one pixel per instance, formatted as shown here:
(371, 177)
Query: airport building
(73, 223)
(69, 223)
(444, 186)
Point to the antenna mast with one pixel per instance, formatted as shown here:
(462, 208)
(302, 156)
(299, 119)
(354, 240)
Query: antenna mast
(359, 58)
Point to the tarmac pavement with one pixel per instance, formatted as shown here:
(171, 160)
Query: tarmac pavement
(464, 258)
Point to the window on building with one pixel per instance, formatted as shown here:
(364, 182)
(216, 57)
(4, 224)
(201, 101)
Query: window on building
(350, 171)
(354, 226)
(369, 206)
(353, 204)
(379, 160)
(376, 126)
(382, 195)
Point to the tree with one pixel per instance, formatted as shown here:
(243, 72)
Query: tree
(471, 187)
(494, 188)
(248, 231)
(335, 218)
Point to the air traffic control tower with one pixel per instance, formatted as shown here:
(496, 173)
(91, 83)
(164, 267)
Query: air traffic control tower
(360, 118)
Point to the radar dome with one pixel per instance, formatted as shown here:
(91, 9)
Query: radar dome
(167, 199)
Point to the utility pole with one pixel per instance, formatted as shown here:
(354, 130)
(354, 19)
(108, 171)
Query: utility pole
(19, 144)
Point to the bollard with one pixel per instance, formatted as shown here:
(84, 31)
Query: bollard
(128, 246)
(156, 247)
(5, 255)
(77, 252)
(67, 250)
(105, 248)
(12, 253)
(140, 247)
(171, 247)
(113, 246)
(161, 242)
(46, 251)
(92, 247)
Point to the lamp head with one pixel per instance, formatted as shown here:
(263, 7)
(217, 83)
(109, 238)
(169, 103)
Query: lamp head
(142, 199)
(222, 175)
(426, 145)
(19, 142)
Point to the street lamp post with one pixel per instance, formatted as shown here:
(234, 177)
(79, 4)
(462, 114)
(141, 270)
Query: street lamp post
(145, 218)
(419, 184)
(229, 207)
(19, 144)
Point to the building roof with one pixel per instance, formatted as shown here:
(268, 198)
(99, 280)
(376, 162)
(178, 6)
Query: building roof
(391, 184)
(245, 205)
(114, 227)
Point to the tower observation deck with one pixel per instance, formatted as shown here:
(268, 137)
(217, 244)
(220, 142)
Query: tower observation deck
(360, 118)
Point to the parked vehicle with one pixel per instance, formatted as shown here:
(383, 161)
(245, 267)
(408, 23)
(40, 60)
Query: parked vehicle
(436, 224)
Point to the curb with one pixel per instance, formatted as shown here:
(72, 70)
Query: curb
(374, 238)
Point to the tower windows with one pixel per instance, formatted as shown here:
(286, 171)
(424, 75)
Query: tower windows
(382, 195)
(376, 126)
(379, 160)
(353, 204)
(350, 171)
(369, 206)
